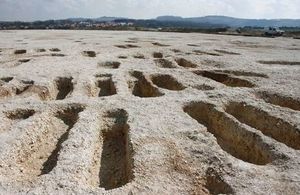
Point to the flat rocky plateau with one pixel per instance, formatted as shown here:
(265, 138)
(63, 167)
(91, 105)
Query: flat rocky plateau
(111, 112)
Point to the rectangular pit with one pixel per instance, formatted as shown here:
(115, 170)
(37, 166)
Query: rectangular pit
(116, 158)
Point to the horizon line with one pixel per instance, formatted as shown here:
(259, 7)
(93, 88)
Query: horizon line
(149, 18)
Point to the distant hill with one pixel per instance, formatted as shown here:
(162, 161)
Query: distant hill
(100, 19)
(217, 21)
(107, 19)
(166, 23)
(234, 22)
(169, 18)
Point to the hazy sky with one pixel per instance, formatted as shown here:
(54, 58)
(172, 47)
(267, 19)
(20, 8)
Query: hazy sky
(59, 9)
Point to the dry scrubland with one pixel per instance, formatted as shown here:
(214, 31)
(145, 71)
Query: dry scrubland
(91, 112)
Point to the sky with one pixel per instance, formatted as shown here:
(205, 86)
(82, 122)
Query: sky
(29, 10)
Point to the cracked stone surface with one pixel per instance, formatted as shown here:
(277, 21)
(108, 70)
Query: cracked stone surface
(107, 112)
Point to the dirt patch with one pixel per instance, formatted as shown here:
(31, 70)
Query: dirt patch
(109, 64)
(105, 85)
(157, 55)
(116, 167)
(142, 86)
(57, 55)
(216, 184)
(24, 60)
(243, 73)
(204, 87)
(139, 56)
(132, 46)
(27, 82)
(131, 41)
(122, 57)
(127, 46)
(269, 125)
(54, 49)
(64, 86)
(226, 52)
(20, 51)
(193, 45)
(199, 52)
(253, 45)
(40, 50)
(294, 49)
(89, 54)
(280, 100)
(217, 64)
(121, 46)
(167, 82)
(231, 136)
(176, 50)
(6, 79)
(164, 63)
(185, 63)
(160, 44)
(225, 79)
(279, 62)
(20, 114)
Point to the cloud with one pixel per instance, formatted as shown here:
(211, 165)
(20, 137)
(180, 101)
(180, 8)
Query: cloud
(55, 9)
